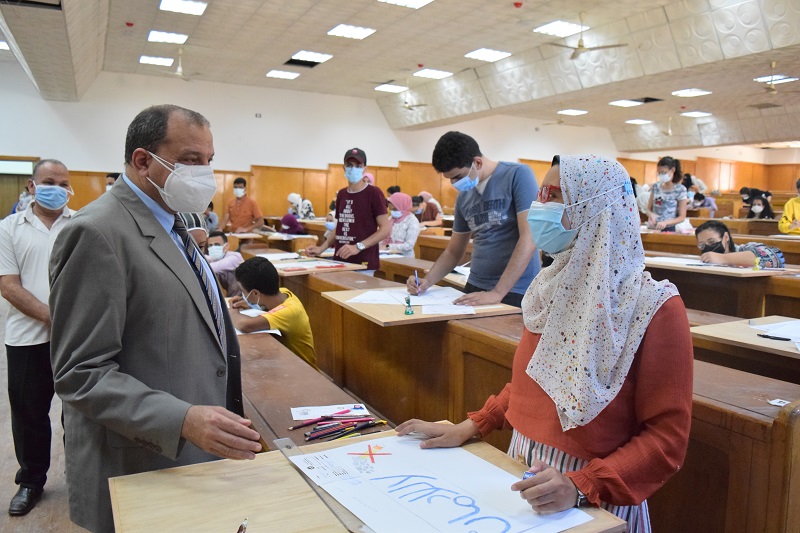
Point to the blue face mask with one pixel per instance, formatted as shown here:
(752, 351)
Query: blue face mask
(51, 197)
(353, 174)
(418, 211)
(252, 305)
(330, 226)
(465, 184)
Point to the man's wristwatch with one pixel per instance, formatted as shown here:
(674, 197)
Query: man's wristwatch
(581, 501)
(360, 246)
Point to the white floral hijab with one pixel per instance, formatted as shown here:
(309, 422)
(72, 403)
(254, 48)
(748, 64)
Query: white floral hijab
(594, 303)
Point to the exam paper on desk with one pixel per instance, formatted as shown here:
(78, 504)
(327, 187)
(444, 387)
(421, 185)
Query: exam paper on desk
(393, 485)
(256, 312)
(279, 256)
(355, 410)
(789, 329)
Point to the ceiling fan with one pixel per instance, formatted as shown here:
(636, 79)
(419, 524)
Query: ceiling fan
(179, 69)
(668, 131)
(410, 107)
(581, 48)
(562, 122)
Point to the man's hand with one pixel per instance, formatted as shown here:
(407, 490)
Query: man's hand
(479, 298)
(415, 289)
(549, 491)
(313, 251)
(348, 250)
(218, 431)
(441, 435)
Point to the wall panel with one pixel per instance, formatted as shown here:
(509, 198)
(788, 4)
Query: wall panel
(271, 185)
(315, 184)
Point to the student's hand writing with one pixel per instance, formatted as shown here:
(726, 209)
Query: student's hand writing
(237, 302)
(661, 225)
(479, 298)
(651, 220)
(216, 430)
(713, 258)
(549, 491)
(348, 250)
(412, 287)
(313, 251)
(441, 435)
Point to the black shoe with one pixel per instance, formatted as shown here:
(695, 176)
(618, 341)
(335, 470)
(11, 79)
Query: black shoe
(24, 500)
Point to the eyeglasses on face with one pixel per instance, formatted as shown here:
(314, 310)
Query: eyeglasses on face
(546, 192)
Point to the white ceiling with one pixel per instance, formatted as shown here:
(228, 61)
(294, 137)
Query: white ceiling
(717, 45)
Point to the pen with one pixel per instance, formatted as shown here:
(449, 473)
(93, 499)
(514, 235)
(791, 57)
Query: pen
(320, 419)
(416, 278)
(765, 336)
(362, 425)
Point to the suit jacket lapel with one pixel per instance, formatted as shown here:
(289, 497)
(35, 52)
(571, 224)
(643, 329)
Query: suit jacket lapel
(167, 250)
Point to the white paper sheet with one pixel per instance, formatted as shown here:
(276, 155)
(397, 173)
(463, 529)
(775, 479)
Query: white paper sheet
(285, 237)
(357, 410)
(394, 486)
(683, 261)
(434, 295)
(463, 270)
(279, 256)
(245, 235)
(789, 329)
(281, 265)
(374, 297)
(387, 255)
(447, 309)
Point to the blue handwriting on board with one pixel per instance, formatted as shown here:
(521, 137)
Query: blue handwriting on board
(414, 488)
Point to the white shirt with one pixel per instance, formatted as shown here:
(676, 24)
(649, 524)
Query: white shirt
(25, 246)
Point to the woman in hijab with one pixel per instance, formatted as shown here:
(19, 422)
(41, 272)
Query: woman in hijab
(405, 226)
(291, 226)
(601, 391)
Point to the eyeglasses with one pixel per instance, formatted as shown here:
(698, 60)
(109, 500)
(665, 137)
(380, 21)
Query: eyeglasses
(545, 193)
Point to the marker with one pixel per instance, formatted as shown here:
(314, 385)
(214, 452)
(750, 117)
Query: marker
(765, 336)
(416, 278)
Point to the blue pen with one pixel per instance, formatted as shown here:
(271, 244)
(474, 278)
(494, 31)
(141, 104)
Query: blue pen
(527, 475)
(416, 278)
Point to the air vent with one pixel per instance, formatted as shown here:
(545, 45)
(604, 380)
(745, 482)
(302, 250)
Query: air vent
(43, 4)
(765, 105)
(301, 63)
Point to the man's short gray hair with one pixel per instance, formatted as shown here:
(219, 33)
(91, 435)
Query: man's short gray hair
(149, 129)
(43, 162)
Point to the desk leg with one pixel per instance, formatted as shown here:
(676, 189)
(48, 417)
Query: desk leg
(750, 297)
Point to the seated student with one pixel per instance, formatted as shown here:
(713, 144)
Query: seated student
(429, 199)
(393, 189)
(290, 225)
(717, 247)
(748, 194)
(330, 224)
(761, 209)
(427, 214)
(368, 178)
(224, 262)
(700, 201)
(282, 310)
(300, 207)
(212, 219)
(196, 226)
(790, 220)
(404, 226)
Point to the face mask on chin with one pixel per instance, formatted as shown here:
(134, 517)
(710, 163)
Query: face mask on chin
(466, 184)
(253, 305)
(188, 188)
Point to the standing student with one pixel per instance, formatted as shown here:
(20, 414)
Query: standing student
(790, 220)
(491, 207)
(144, 355)
(668, 198)
(600, 398)
(243, 213)
(717, 247)
(405, 227)
(361, 221)
(26, 239)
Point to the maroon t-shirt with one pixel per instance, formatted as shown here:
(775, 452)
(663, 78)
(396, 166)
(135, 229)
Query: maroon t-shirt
(355, 221)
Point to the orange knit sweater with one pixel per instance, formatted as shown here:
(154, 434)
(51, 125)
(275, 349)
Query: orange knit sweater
(639, 440)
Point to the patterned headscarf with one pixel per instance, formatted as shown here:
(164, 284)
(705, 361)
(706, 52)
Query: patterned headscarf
(594, 303)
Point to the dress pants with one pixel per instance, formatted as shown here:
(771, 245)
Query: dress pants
(30, 392)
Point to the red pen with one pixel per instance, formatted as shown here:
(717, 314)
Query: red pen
(320, 419)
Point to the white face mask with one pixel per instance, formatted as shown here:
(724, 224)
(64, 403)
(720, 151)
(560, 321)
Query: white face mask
(757, 209)
(663, 178)
(216, 252)
(284, 227)
(108, 187)
(189, 188)
(396, 214)
(238, 193)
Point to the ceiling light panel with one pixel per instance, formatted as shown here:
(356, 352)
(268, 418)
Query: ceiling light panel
(351, 32)
(433, 74)
(187, 7)
(638, 121)
(282, 74)
(313, 57)
(572, 112)
(560, 28)
(389, 88)
(696, 114)
(775, 79)
(160, 61)
(690, 93)
(487, 54)
(4, 45)
(166, 37)
(413, 4)
(625, 103)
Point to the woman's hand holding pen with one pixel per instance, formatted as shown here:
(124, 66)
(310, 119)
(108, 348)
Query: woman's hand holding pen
(549, 491)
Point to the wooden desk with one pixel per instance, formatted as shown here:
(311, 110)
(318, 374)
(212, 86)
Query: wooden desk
(736, 345)
(295, 244)
(783, 296)
(430, 247)
(687, 244)
(400, 269)
(315, 228)
(311, 265)
(742, 226)
(216, 496)
(235, 240)
(742, 471)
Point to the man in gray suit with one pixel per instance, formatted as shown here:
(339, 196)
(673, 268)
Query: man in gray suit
(144, 355)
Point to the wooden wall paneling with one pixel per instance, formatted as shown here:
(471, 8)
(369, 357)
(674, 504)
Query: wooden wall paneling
(708, 171)
(272, 185)
(314, 188)
(635, 169)
(539, 168)
(88, 187)
(726, 176)
(759, 178)
(688, 166)
(782, 177)
(11, 186)
(416, 177)
(336, 181)
(385, 177)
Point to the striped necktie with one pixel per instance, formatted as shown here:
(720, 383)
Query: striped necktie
(193, 254)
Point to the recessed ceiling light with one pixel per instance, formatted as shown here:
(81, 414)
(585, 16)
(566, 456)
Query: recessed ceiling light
(560, 28)
(187, 7)
(351, 32)
(690, 93)
(413, 4)
(166, 37)
(4, 45)
(625, 103)
(433, 73)
(487, 54)
(160, 61)
(696, 114)
(282, 74)
(774, 79)
(638, 121)
(389, 88)
(572, 112)
(313, 57)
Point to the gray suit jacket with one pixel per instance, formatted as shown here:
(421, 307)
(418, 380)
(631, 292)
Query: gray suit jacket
(133, 347)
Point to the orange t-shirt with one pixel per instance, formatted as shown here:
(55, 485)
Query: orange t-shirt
(243, 211)
(639, 440)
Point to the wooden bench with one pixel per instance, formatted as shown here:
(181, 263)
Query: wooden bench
(430, 247)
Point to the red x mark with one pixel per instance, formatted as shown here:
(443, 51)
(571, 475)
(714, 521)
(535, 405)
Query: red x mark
(369, 453)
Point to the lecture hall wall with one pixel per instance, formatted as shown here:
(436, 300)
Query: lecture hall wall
(296, 145)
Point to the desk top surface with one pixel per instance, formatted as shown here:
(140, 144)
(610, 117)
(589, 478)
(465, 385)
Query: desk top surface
(695, 265)
(394, 315)
(739, 333)
(217, 496)
(311, 265)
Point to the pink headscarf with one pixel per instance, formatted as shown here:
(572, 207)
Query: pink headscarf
(294, 227)
(402, 202)
(426, 196)
(370, 178)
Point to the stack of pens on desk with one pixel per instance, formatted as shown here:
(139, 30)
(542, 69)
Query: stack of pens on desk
(327, 428)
